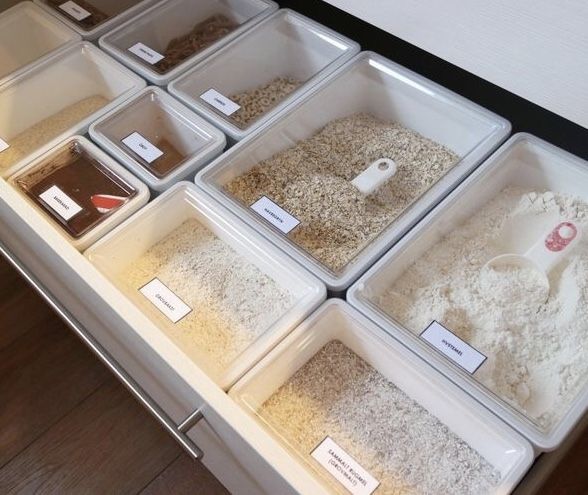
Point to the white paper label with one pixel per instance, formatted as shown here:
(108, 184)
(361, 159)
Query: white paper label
(453, 347)
(220, 102)
(3, 145)
(275, 215)
(344, 468)
(146, 53)
(142, 147)
(73, 9)
(165, 300)
(60, 203)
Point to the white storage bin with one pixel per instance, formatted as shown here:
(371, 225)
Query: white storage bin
(84, 84)
(119, 254)
(92, 18)
(84, 227)
(533, 376)
(143, 43)
(28, 34)
(368, 84)
(337, 323)
(158, 138)
(281, 58)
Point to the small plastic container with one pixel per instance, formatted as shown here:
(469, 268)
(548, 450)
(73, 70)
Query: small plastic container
(531, 164)
(27, 35)
(84, 84)
(156, 43)
(285, 55)
(503, 448)
(367, 85)
(92, 18)
(226, 360)
(158, 138)
(83, 191)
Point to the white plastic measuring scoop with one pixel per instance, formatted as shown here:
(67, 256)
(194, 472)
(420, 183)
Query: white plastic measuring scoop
(375, 175)
(539, 260)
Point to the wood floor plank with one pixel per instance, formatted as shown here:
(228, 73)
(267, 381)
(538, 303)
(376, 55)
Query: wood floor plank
(43, 375)
(20, 310)
(185, 477)
(108, 444)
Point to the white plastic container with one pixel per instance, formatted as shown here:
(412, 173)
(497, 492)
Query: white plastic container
(368, 83)
(81, 19)
(502, 447)
(155, 222)
(131, 131)
(68, 77)
(141, 42)
(524, 161)
(27, 35)
(139, 197)
(286, 45)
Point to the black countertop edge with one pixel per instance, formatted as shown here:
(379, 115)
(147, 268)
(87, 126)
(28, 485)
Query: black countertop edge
(523, 114)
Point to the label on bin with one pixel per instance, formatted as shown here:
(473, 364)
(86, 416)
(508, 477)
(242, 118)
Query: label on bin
(73, 9)
(165, 300)
(60, 203)
(3, 145)
(275, 215)
(142, 147)
(453, 347)
(146, 53)
(220, 102)
(344, 468)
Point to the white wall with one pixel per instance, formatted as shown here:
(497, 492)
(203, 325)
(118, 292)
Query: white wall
(537, 49)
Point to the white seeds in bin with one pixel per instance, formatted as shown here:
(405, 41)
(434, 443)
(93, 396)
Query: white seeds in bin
(534, 331)
(398, 442)
(209, 298)
(321, 181)
(40, 133)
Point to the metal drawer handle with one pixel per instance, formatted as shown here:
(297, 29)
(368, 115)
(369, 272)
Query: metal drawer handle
(177, 431)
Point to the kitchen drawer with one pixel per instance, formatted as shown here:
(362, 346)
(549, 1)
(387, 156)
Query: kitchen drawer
(174, 384)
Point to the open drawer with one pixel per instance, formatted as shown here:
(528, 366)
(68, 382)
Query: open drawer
(168, 383)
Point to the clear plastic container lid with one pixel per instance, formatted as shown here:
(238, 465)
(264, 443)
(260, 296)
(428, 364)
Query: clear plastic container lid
(28, 33)
(75, 189)
(205, 279)
(363, 413)
(81, 189)
(492, 288)
(353, 164)
(159, 43)
(244, 83)
(158, 138)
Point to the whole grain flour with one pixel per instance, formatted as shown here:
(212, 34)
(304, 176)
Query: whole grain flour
(537, 349)
(227, 293)
(407, 449)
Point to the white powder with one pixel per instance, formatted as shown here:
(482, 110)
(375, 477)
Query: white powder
(407, 449)
(536, 348)
(232, 301)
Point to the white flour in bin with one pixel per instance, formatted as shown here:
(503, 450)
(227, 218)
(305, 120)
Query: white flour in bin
(407, 449)
(227, 293)
(537, 350)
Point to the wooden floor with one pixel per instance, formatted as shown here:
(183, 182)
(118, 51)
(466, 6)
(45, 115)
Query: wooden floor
(68, 427)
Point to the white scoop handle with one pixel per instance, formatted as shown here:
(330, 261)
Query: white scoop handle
(553, 246)
(375, 175)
